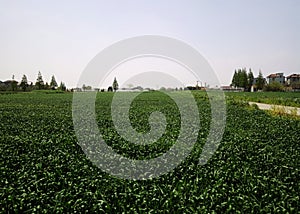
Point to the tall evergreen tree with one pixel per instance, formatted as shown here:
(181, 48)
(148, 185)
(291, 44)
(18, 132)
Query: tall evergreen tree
(83, 87)
(115, 85)
(250, 80)
(260, 82)
(39, 81)
(53, 83)
(244, 78)
(239, 78)
(24, 83)
(234, 79)
(14, 83)
(62, 86)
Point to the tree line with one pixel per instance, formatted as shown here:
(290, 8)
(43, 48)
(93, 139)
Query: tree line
(245, 79)
(12, 85)
(114, 87)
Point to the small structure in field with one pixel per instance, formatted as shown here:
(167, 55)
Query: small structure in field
(232, 89)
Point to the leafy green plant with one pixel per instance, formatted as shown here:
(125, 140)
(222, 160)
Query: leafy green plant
(274, 86)
(254, 106)
(294, 113)
(274, 98)
(43, 169)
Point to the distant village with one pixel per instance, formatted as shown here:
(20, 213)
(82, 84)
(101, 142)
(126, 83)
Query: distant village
(242, 81)
(245, 81)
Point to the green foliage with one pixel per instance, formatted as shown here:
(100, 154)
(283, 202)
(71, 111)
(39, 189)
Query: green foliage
(47, 92)
(24, 83)
(115, 84)
(255, 106)
(39, 85)
(260, 82)
(294, 113)
(243, 79)
(86, 87)
(275, 98)
(109, 89)
(250, 79)
(281, 111)
(14, 85)
(255, 169)
(46, 86)
(53, 83)
(63, 87)
(274, 86)
(296, 85)
(39, 82)
(278, 110)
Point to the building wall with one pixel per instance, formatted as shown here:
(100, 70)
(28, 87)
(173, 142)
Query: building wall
(292, 80)
(279, 78)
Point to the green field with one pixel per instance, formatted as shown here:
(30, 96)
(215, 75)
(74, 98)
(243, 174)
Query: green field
(276, 98)
(43, 169)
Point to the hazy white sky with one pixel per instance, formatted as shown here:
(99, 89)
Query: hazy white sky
(61, 37)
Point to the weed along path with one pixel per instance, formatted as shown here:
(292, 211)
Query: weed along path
(284, 109)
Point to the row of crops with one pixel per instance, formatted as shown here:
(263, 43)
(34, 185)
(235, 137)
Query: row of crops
(276, 98)
(43, 169)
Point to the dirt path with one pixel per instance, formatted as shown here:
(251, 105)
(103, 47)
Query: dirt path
(265, 106)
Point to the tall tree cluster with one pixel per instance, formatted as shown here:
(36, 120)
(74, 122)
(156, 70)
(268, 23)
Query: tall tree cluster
(260, 82)
(243, 79)
(39, 84)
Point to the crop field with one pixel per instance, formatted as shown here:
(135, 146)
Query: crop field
(276, 98)
(43, 169)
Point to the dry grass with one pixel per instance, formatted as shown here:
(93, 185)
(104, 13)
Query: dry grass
(284, 112)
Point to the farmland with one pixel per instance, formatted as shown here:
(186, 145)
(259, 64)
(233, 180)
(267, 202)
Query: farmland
(276, 98)
(255, 169)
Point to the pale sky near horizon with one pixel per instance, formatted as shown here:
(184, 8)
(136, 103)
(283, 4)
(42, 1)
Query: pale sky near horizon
(60, 37)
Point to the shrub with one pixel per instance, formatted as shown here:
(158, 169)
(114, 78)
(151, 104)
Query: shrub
(274, 86)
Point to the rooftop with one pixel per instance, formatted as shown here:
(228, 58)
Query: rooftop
(293, 76)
